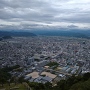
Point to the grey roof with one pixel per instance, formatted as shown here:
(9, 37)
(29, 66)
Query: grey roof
(31, 80)
(47, 79)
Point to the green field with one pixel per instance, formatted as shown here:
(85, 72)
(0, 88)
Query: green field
(13, 87)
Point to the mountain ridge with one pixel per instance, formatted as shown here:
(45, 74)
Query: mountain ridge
(16, 33)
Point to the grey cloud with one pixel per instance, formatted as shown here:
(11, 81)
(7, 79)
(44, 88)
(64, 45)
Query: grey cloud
(72, 26)
(78, 18)
(40, 11)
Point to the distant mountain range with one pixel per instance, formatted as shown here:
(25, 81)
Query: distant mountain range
(68, 33)
(16, 33)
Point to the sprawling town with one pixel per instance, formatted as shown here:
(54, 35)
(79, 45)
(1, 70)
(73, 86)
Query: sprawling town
(46, 59)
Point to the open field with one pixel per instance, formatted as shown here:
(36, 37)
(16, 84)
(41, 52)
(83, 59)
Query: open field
(13, 87)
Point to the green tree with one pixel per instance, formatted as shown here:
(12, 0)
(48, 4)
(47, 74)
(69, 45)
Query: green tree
(2, 81)
(21, 79)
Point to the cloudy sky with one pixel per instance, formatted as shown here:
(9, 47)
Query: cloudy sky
(44, 14)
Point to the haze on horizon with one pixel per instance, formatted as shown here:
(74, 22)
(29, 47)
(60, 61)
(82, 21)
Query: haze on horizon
(47, 14)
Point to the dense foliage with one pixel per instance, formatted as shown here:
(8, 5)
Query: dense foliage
(80, 82)
(72, 83)
(75, 83)
(5, 75)
(52, 64)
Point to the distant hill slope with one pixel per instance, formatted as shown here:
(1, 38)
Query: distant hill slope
(67, 34)
(6, 37)
(70, 33)
(16, 34)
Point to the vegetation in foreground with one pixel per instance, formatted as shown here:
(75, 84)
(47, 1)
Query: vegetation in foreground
(72, 83)
(80, 82)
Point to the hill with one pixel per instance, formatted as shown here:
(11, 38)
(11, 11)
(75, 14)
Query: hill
(16, 33)
(66, 33)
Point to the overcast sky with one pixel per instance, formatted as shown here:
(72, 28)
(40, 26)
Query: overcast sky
(44, 14)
